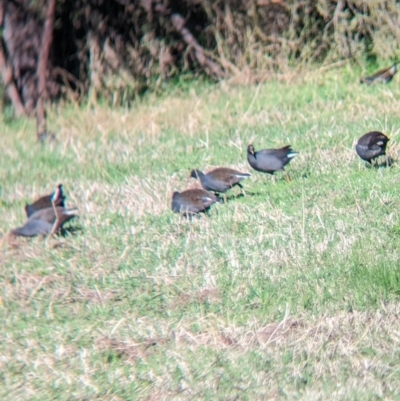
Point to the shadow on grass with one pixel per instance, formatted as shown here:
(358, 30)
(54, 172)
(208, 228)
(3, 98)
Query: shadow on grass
(235, 197)
(71, 230)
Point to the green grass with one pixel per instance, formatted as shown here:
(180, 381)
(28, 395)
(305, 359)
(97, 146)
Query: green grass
(291, 292)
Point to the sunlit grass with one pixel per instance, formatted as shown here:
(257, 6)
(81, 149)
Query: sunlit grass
(289, 292)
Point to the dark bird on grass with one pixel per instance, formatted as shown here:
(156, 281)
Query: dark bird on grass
(192, 201)
(383, 76)
(46, 216)
(270, 160)
(219, 180)
(372, 145)
(45, 221)
(46, 201)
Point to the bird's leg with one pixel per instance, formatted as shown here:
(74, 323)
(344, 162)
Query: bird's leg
(287, 177)
(389, 161)
(241, 188)
(187, 215)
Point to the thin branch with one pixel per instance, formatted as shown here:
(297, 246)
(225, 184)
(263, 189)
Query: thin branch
(179, 24)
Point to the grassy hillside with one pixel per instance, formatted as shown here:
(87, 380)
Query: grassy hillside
(291, 291)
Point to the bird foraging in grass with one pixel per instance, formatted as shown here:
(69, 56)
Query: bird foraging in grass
(47, 215)
(270, 160)
(45, 221)
(382, 76)
(192, 201)
(220, 179)
(371, 145)
(46, 201)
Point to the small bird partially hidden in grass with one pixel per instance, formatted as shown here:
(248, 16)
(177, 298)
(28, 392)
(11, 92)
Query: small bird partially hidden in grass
(371, 145)
(382, 76)
(192, 201)
(47, 215)
(270, 160)
(220, 179)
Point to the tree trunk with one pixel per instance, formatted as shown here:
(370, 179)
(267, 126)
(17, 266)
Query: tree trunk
(7, 74)
(42, 70)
